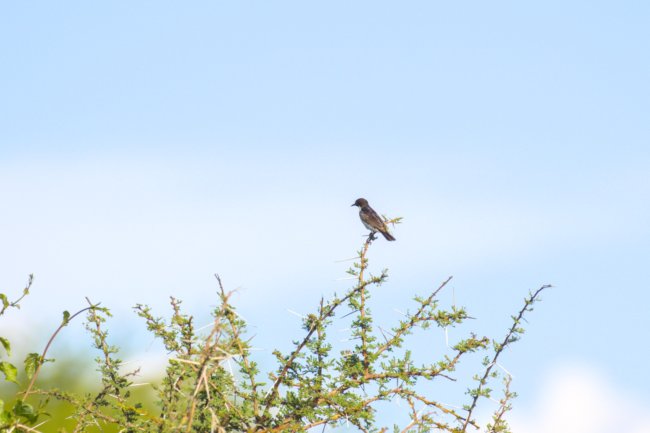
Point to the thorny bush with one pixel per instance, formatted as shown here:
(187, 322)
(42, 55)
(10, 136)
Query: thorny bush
(313, 386)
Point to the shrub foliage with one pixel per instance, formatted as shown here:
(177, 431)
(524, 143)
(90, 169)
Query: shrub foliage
(212, 382)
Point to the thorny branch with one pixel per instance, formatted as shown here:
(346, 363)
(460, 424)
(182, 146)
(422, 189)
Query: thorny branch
(510, 337)
(310, 388)
(16, 304)
(63, 324)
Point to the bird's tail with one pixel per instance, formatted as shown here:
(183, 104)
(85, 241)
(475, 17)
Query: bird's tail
(388, 236)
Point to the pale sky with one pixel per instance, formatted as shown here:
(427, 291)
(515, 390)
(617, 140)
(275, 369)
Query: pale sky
(144, 147)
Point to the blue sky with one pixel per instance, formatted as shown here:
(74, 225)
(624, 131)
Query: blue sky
(145, 146)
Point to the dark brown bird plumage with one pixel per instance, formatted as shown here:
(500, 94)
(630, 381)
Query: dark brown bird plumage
(371, 220)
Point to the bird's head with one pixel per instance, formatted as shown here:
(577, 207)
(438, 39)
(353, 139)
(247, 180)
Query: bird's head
(361, 202)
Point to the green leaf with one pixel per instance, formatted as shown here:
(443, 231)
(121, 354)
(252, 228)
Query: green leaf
(9, 370)
(26, 411)
(66, 317)
(6, 417)
(5, 301)
(5, 343)
(32, 361)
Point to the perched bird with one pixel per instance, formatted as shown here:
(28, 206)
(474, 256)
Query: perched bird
(371, 220)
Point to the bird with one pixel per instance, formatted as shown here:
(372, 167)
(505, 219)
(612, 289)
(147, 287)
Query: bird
(371, 220)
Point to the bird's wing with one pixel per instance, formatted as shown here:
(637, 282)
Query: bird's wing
(373, 219)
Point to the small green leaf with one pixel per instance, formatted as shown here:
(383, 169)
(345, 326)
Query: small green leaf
(9, 370)
(26, 411)
(66, 317)
(5, 301)
(32, 361)
(6, 417)
(5, 343)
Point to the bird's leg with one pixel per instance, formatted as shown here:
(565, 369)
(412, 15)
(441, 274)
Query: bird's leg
(372, 236)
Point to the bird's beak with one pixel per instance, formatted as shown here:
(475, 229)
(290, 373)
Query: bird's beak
(353, 204)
